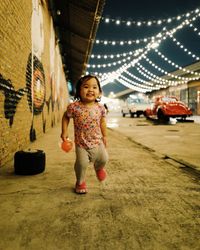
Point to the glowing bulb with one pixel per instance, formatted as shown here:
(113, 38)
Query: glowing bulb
(154, 45)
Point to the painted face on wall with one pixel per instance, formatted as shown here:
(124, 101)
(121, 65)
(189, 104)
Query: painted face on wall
(38, 89)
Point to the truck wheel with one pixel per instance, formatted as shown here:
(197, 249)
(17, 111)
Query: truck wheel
(29, 162)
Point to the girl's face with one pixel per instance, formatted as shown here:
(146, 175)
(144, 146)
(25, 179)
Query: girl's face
(89, 91)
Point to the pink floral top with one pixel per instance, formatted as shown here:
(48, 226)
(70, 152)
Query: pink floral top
(86, 123)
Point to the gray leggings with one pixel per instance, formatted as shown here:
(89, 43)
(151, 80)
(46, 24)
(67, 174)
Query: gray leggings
(97, 155)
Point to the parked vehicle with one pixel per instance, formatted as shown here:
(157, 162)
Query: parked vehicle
(165, 107)
(134, 106)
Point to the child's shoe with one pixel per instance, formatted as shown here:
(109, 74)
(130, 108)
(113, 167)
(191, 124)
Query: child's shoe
(101, 174)
(81, 188)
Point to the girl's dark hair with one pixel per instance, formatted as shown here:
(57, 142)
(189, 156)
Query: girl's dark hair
(81, 81)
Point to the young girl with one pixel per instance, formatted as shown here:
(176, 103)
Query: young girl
(89, 130)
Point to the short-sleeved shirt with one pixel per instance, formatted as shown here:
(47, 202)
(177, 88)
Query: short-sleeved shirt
(87, 119)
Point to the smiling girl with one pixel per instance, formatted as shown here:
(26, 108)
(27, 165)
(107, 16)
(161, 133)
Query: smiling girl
(89, 129)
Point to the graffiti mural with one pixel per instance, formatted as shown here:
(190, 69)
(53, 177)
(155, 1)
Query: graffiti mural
(54, 74)
(37, 29)
(35, 83)
(12, 98)
(35, 78)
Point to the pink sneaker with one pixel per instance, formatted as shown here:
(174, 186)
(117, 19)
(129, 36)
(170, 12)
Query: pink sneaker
(101, 174)
(81, 188)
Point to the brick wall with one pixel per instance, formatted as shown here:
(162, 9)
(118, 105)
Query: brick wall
(33, 88)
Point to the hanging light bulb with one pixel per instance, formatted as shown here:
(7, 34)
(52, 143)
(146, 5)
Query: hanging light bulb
(118, 22)
(107, 20)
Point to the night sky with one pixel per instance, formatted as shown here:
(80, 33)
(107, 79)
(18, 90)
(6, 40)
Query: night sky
(144, 10)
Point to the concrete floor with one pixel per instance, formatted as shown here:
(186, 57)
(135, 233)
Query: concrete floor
(146, 202)
(179, 142)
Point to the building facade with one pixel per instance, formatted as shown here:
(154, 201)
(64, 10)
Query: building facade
(33, 86)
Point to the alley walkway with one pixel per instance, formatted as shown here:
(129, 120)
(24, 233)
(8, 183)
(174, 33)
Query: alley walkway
(146, 203)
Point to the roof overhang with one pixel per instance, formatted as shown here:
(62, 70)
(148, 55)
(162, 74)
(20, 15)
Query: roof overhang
(76, 23)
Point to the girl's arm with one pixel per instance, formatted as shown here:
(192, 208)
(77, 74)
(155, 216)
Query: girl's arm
(103, 130)
(65, 123)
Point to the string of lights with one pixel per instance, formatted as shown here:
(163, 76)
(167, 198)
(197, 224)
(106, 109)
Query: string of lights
(106, 56)
(167, 73)
(131, 86)
(157, 83)
(181, 46)
(137, 78)
(136, 41)
(153, 77)
(159, 53)
(162, 35)
(195, 29)
(144, 86)
(110, 64)
(145, 83)
(176, 65)
(129, 22)
(115, 74)
(142, 54)
(122, 43)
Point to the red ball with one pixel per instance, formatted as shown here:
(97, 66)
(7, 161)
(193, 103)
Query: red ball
(67, 145)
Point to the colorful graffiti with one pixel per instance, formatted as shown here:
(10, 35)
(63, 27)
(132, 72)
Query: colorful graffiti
(35, 90)
(35, 83)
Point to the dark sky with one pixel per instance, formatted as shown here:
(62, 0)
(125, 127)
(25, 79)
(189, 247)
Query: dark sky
(148, 8)
(144, 10)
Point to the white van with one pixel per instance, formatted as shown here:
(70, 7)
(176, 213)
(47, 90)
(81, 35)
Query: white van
(134, 106)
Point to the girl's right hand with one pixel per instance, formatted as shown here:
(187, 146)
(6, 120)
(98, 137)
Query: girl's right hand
(64, 136)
